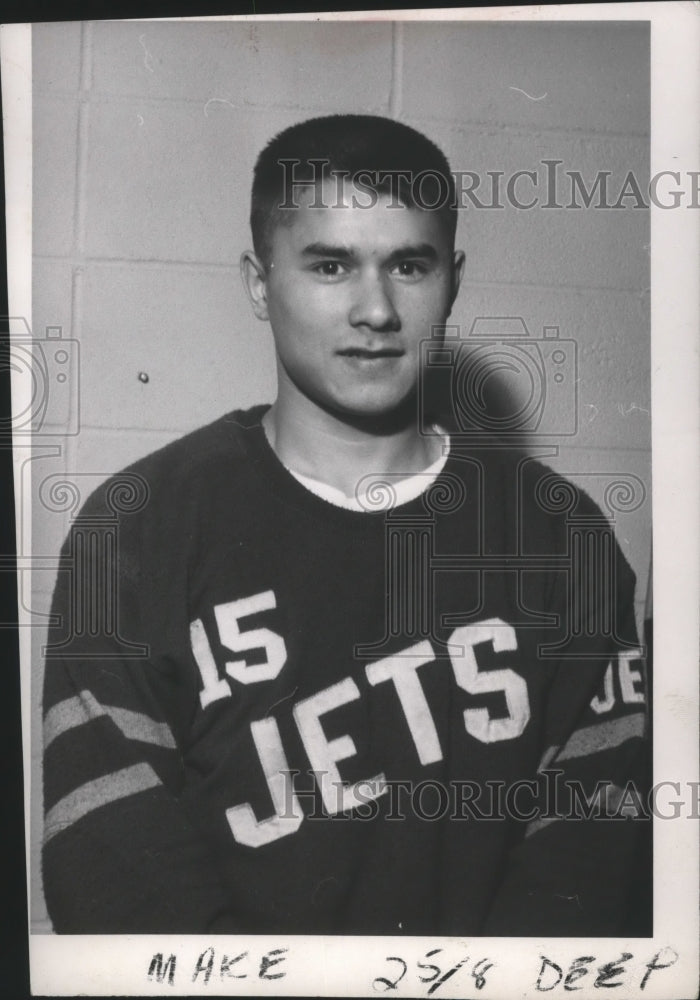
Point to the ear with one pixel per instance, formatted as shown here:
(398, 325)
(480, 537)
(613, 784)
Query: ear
(254, 279)
(457, 273)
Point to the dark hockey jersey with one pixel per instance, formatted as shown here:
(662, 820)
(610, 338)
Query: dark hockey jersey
(265, 713)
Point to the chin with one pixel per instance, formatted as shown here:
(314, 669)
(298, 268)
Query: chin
(385, 413)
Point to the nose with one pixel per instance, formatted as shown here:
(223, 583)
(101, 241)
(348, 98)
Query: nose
(373, 304)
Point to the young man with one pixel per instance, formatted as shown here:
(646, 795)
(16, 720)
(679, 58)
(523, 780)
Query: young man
(348, 652)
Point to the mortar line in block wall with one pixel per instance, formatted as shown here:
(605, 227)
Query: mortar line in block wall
(158, 264)
(396, 82)
(138, 262)
(156, 432)
(86, 50)
(217, 267)
(81, 163)
(81, 173)
(641, 291)
(493, 127)
(76, 302)
(70, 441)
(459, 125)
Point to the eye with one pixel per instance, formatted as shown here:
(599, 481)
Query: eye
(410, 269)
(329, 269)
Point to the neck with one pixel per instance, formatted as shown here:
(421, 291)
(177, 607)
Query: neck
(340, 452)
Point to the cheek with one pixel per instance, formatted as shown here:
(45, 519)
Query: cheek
(299, 311)
(426, 311)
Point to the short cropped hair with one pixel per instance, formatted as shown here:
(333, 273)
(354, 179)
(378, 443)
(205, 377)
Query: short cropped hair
(383, 155)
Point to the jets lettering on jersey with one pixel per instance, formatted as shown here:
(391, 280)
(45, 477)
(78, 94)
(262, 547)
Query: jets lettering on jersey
(399, 670)
(324, 755)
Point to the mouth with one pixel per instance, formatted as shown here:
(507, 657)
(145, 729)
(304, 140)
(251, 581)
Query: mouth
(365, 354)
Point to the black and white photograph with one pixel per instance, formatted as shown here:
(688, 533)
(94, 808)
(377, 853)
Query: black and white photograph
(350, 466)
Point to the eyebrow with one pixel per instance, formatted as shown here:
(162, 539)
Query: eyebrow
(425, 250)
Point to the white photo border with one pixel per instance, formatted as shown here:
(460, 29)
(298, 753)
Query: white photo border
(332, 966)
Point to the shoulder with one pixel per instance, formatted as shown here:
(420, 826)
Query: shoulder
(513, 477)
(174, 474)
(558, 509)
(540, 508)
(202, 451)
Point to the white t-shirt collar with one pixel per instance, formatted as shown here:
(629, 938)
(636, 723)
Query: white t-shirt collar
(403, 490)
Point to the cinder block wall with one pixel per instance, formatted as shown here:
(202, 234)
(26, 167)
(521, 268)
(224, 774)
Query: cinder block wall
(145, 135)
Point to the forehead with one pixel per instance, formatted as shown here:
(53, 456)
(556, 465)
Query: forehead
(341, 213)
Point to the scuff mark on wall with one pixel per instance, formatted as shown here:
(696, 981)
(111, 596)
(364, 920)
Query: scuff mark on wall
(218, 100)
(529, 96)
(147, 58)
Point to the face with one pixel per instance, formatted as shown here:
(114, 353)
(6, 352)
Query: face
(350, 293)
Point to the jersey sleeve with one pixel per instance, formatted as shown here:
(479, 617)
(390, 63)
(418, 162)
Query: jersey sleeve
(119, 853)
(572, 866)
